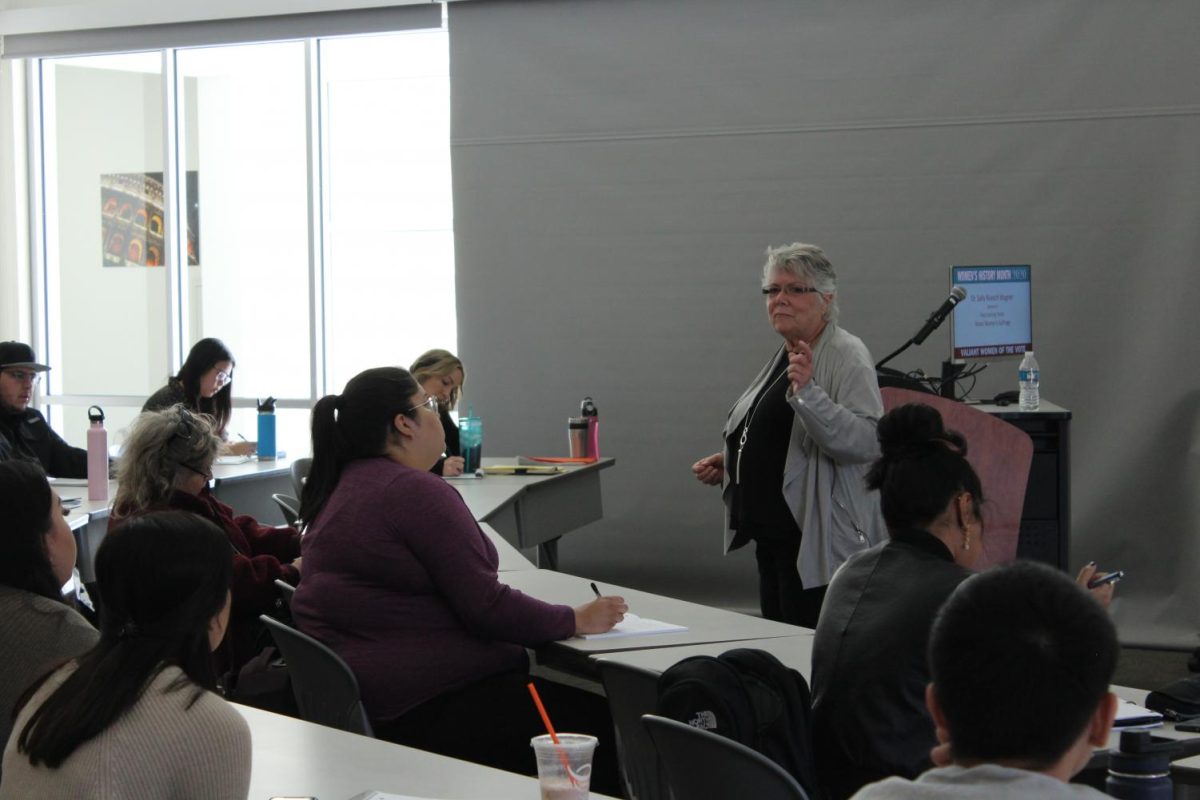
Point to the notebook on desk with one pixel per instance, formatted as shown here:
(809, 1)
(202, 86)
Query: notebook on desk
(1131, 715)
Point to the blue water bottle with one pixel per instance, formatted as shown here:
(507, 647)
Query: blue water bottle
(266, 429)
(470, 440)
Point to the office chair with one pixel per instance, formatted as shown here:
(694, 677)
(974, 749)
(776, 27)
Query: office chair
(288, 506)
(300, 469)
(632, 692)
(698, 763)
(286, 592)
(326, 690)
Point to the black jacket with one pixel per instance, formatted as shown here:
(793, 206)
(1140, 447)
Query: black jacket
(25, 434)
(869, 661)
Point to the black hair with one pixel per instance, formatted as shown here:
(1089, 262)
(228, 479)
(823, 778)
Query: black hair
(162, 578)
(1016, 644)
(28, 503)
(355, 424)
(922, 467)
(204, 355)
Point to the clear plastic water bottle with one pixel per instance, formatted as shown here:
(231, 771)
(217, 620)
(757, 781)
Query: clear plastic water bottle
(1029, 377)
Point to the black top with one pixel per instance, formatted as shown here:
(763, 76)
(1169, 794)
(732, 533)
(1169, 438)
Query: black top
(869, 661)
(453, 448)
(166, 397)
(757, 507)
(26, 435)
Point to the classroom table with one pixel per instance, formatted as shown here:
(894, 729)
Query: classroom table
(246, 485)
(705, 624)
(292, 758)
(536, 510)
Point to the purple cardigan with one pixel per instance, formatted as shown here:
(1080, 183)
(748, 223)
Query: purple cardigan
(399, 581)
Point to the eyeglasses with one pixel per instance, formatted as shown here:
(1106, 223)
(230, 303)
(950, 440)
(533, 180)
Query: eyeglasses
(430, 402)
(23, 376)
(792, 290)
(206, 474)
(224, 378)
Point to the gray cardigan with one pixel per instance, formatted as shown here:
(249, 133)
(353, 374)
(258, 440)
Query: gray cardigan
(832, 445)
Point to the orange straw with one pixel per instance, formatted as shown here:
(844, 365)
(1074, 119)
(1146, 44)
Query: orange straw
(537, 701)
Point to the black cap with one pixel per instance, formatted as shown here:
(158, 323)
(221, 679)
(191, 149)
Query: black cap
(19, 354)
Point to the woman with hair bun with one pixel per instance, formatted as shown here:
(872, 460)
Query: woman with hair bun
(136, 716)
(869, 664)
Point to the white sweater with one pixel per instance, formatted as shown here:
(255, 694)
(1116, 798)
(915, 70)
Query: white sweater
(158, 750)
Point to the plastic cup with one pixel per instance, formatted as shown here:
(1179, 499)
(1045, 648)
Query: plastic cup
(573, 752)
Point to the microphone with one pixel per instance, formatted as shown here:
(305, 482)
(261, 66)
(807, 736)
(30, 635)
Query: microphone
(938, 317)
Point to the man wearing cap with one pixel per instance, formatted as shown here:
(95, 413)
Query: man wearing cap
(23, 431)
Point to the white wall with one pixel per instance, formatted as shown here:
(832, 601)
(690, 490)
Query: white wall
(14, 219)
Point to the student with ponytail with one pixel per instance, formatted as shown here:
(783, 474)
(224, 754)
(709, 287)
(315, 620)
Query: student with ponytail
(400, 581)
(135, 717)
(869, 655)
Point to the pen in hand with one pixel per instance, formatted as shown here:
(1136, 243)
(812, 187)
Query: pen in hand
(596, 590)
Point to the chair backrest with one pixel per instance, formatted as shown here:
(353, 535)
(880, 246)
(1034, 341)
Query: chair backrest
(286, 591)
(698, 763)
(1001, 454)
(326, 690)
(633, 692)
(288, 506)
(300, 469)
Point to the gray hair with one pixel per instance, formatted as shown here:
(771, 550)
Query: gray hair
(159, 444)
(805, 261)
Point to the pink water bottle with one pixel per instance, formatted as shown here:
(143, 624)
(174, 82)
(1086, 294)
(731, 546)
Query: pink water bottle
(587, 409)
(97, 455)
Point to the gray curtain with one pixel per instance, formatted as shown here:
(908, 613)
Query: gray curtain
(620, 165)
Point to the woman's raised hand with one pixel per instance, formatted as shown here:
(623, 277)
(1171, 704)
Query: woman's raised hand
(800, 364)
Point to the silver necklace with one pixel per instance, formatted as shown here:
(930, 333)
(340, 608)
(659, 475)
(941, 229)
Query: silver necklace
(737, 478)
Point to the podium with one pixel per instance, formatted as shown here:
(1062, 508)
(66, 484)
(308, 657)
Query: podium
(1046, 517)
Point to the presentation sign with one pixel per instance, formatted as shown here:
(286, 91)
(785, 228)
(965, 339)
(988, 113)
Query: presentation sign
(996, 317)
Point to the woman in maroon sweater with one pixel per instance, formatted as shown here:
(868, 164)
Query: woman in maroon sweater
(166, 463)
(400, 581)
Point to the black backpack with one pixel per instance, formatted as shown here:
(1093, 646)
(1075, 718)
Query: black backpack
(750, 697)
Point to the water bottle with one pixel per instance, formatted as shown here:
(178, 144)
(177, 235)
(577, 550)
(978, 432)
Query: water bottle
(1141, 768)
(266, 429)
(577, 437)
(470, 441)
(97, 455)
(587, 410)
(1029, 377)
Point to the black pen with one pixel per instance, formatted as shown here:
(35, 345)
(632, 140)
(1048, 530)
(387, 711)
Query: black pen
(596, 590)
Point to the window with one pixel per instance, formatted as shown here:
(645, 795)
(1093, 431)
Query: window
(313, 225)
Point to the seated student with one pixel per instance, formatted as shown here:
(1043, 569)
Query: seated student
(24, 433)
(135, 717)
(205, 386)
(38, 630)
(869, 664)
(441, 374)
(166, 463)
(1021, 660)
(400, 581)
